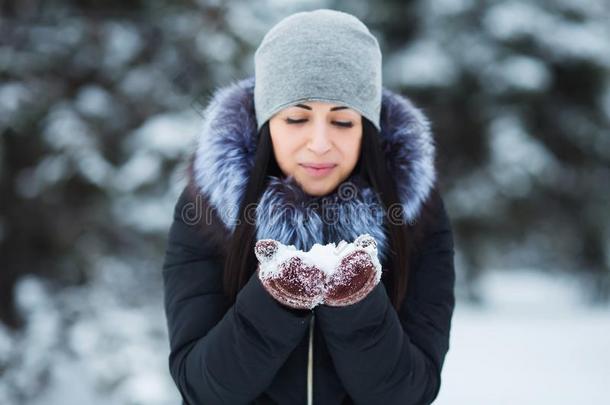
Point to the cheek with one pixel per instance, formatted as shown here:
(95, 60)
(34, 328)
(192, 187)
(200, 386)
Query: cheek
(351, 149)
(285, 153)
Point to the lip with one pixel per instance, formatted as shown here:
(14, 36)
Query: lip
(318, 169)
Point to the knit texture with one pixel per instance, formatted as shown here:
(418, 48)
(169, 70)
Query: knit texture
(322, 55)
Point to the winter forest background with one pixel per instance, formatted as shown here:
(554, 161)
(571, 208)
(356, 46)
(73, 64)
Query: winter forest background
(99, 107)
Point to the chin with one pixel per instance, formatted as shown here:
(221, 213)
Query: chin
(319, 188)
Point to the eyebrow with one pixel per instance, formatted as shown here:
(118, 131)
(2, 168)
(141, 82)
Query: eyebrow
(332, 109)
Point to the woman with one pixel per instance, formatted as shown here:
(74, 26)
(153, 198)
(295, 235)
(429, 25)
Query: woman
(313, 130)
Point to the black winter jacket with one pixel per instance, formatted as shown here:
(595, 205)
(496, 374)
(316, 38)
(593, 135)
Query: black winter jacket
(256, 350)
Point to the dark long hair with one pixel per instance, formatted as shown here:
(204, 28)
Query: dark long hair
(241, 263)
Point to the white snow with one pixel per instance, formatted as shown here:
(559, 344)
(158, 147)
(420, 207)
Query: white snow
(215, 47)
(475, 195)
(325, 257)
(560, 38)
(140, 82)
(510, 19)
(448, 7)
(535, 342)
(144, 213)
(121, 42)
(142, 168)
(422, 64)
(169, 135)
(532, 341)
(13, 96)
(84, 347)
(94, 101)
(517, 73)
(93, 166)
(64, 129)
(517, 157)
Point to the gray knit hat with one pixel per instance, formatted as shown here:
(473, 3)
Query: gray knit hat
(324, 55)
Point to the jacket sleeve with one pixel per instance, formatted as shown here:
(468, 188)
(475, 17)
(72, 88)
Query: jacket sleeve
(389, 357)
(220, 353)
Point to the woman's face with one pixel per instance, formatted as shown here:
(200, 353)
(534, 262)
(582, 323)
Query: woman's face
(318, 143)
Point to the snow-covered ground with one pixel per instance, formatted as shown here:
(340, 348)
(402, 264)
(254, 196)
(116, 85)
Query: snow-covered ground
(533, 341)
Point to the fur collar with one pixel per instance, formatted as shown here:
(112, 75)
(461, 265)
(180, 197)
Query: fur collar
(225, 156)
(288, 214)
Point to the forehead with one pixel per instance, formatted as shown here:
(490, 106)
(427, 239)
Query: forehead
(320, 106)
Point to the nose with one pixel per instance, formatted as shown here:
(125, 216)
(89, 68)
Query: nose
(319, 142)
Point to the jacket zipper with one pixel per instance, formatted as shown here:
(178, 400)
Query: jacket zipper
(310, 364)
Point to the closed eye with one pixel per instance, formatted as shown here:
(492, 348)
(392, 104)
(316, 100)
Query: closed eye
(346, 124)
(291, 121)
(343, 124)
